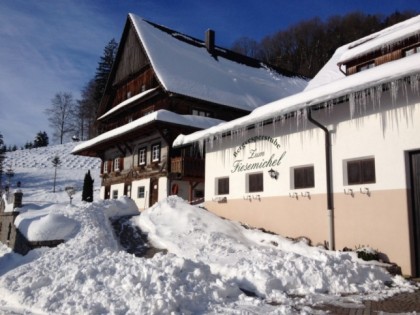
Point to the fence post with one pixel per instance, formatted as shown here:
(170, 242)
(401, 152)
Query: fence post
(17, 200)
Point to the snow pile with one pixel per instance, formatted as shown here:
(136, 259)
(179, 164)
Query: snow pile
(213, 266)
(268, 265)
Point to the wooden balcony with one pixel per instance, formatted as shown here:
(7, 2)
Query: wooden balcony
(187, 167)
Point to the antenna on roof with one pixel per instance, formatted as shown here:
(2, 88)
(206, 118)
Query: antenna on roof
(210, 39)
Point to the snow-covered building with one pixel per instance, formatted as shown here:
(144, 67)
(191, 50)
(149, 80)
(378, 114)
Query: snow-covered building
(339, 162)
(164, 83)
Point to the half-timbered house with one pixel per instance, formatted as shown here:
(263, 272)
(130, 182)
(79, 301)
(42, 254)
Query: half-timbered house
(164, 83)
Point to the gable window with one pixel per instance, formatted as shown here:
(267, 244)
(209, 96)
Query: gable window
(255, 182)
(366, 66)
(361, 171)
(222, 186)
(303, 177)
(142, 156)
(140, 192)
(156, 152)
(115, 194)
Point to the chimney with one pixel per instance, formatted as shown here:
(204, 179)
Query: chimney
(210, 37)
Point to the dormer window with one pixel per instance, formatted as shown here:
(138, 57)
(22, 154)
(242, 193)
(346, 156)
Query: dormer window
(200, 112)
(412, 51)
(366, 66)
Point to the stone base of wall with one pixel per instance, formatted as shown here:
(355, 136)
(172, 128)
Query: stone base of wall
(13, 238)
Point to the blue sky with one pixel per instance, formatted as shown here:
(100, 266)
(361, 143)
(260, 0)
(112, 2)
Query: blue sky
(51, 46)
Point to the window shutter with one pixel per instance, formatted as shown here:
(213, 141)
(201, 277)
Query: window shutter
(110, 166)
(121, 163)
(102, 167)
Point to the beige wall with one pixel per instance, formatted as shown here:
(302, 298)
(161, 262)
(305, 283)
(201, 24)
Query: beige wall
(379, 220)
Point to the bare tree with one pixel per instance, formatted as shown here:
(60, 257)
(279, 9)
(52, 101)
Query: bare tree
(56, 162)
(61, 115)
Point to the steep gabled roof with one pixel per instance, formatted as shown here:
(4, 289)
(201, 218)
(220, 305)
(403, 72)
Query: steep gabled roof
(184, 66)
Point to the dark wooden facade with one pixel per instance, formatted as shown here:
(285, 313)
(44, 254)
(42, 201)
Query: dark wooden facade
(133, 80)
(381, 55)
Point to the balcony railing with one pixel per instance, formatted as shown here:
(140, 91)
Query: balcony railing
(188, 167)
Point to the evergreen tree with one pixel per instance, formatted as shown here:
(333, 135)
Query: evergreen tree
(41, 140)
(87, 193)
(104, 68)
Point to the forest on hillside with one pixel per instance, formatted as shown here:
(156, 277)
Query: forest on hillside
(305, 47)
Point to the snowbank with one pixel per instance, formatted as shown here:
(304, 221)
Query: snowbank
(268, 265)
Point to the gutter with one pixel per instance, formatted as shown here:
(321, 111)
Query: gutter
(328, 164)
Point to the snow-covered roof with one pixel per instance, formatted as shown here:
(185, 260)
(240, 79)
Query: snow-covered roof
(329, 84)
(382, 39)
(160, 115)
(127, 102)
(323, 93)
(184, 66)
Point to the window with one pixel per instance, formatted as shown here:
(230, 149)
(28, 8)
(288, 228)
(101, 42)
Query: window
(156, 152)
(140, 192)
(361, 171)
(105, 167)
(255, 182)
(117, 164)
(412, 51)
(115, 194)
(199, 112)
(222, 186)
(142, 156)
(128, 94)
(366, 66)
(303, 177)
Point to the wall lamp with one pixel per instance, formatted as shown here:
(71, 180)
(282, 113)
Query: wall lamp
(273, 174)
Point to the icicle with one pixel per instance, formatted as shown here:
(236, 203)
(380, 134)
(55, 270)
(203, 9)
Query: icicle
(394, 92)
(414, 83)
(352, 104)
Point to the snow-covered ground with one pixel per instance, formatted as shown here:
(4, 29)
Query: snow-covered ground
(209, 265)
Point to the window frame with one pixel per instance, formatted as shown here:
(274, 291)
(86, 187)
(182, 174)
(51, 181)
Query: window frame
(116, 164)
(115, 194)
(105, 167)
(255, 187)
(222, 189)
(366, 66)
(365, 168)
(140, 163)
(153, 146)
(303, 177)
(139, 192)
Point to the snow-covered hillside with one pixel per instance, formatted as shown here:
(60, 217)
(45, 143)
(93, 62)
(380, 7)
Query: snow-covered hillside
(34, 169)
(210, 264)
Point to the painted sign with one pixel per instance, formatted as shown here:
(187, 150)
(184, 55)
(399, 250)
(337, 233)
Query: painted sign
(256, 159)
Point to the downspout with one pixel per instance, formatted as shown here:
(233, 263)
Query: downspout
(328, 165)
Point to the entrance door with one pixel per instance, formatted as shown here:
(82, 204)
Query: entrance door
(107, 192)
(415, 202)
(154, 191)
